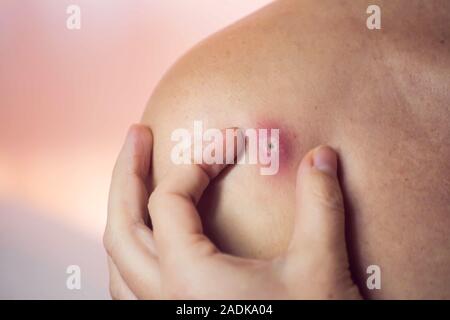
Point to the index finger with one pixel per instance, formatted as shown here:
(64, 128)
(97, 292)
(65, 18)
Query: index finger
(176, 223)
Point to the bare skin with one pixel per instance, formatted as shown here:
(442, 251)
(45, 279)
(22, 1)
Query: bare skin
(380, 98)
(175, 260)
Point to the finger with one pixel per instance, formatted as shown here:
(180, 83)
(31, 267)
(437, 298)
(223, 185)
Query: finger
(117, 286)
(319, 221)
(128, 193)
(127, 239)
(176, 222)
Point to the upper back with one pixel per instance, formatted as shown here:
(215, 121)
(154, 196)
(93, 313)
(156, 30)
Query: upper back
(319, 75)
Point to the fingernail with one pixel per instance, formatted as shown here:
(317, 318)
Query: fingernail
(325, 160)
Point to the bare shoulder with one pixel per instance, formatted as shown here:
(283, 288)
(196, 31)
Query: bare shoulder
(270, 65)
(221, 66)
(230, 79)
(295, 51)
(298, 60)
(380, 98)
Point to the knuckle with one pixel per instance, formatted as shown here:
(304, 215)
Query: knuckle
(160, 200)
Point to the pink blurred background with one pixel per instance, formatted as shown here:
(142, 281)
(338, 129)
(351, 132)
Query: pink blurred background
(66, 100)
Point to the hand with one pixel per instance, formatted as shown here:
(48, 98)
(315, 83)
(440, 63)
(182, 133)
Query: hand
(177, 261)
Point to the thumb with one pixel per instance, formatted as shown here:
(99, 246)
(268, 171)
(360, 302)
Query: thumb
(319, 220)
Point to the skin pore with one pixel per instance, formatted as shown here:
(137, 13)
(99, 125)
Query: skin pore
(379, 98)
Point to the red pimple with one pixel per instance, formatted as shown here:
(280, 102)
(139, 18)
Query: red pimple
(284, 142)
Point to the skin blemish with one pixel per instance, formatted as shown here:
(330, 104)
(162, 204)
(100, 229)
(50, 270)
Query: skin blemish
(282, 145)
